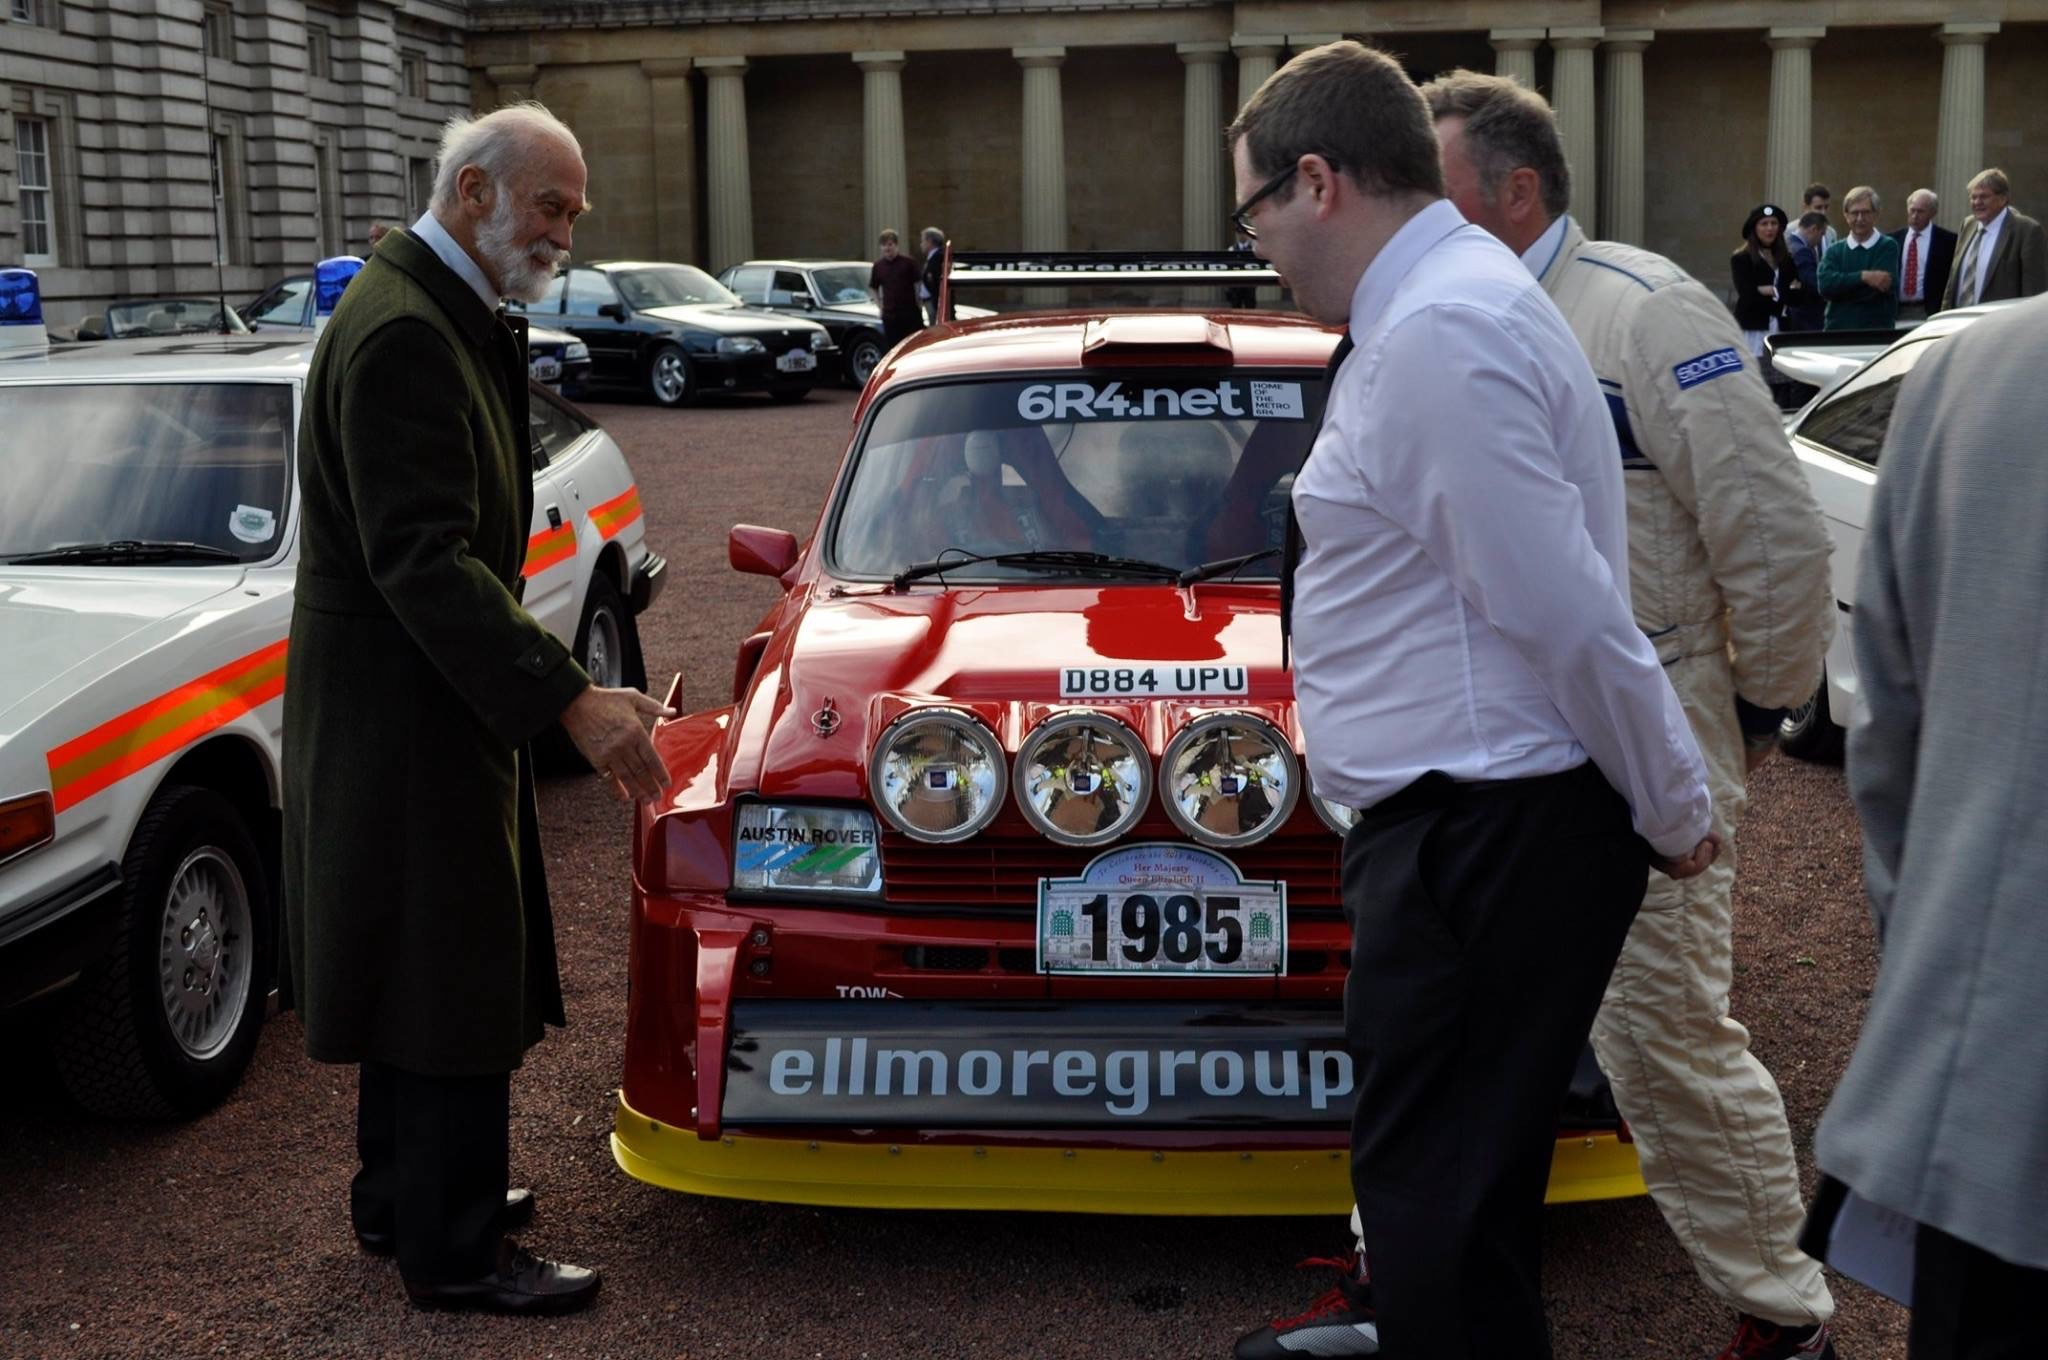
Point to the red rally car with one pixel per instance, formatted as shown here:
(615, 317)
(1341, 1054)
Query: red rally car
(999, 883)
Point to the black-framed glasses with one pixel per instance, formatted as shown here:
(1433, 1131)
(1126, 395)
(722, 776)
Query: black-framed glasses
(1240, 215)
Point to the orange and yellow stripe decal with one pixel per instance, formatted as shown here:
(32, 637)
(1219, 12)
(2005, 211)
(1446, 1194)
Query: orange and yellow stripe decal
(120, 746)
(616, 513)
(549, 548)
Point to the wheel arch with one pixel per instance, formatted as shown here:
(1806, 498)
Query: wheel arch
(240, 770)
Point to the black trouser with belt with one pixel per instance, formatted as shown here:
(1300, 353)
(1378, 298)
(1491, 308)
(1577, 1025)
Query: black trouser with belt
(1485, 918)
(435, 1156)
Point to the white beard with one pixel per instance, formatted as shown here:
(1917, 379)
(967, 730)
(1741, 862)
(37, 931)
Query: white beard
(525, 269)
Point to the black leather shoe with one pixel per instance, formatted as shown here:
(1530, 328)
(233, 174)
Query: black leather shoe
(522, 1283)
(518, 1213)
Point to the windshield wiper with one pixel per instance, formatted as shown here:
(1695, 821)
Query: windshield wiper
(1048, 559)
(1222, 566)
(126, 550)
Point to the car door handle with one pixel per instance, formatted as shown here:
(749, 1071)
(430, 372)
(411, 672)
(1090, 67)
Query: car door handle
(554, 517)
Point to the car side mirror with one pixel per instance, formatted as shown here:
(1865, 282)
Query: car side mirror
(615, 310)
(760, 551)
(92, 328)
(802, 300)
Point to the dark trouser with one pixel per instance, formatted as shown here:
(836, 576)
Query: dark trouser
(1970, 1305)
(435, 1154)
(1913, 311)
(1485, 918)
(900, 326)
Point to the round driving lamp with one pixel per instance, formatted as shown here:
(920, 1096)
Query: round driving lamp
(1082, 778)
(1336, 816)
(937, 774)
(1229, 779)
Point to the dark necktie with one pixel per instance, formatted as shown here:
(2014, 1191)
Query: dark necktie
(1290, 556)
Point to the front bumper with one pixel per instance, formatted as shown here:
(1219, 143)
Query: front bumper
(757, 372)
(648, 579)
(717, 1100)
(1074, 1176)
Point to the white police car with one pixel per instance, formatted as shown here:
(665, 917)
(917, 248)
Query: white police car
(1838, 436)
(147, 555)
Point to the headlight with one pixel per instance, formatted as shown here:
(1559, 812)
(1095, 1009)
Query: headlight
(576, 350)
(1082, 778)
(1229, 779)
(740, 344)
(821, 340)
(937, 774)
(776, 848)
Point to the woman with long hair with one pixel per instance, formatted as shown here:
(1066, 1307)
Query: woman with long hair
(1766, 280)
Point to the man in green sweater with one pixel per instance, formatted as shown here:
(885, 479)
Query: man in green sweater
(1858, 275)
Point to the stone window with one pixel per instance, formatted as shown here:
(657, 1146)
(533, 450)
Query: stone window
(42, 13)
(217, 30)
(230, 192)
(319, 53)
(419, 185)
(412, 73)
(35, 182)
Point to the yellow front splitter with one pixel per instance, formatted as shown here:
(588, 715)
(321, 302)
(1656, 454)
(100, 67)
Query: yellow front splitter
(1082, 1180)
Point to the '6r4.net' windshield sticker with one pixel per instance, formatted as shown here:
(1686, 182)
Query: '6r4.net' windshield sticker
(1092, 682)
(252, 524)
(1239, 398)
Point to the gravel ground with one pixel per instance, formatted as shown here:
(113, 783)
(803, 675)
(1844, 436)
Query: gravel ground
(229, 1236)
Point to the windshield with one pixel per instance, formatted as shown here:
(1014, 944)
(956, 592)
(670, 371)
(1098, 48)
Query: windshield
(669, 286)
(171, 316)
(841, 283)
(158, 462)
(1176, 468)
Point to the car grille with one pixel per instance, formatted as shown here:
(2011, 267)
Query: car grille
(993, 870)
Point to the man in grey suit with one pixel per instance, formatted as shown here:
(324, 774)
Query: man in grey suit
(1943, 1113)
(2003, 252)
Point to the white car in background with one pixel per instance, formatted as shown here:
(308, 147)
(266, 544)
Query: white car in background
(1838, 436)
(148, 542)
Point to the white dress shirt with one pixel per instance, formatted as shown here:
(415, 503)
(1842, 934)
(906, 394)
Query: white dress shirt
(1925, 236)
(435, 237)
(1987, 247)
(1462, 599)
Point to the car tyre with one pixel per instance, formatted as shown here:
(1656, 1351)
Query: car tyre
(864, 349)
(786, 395)
(164, 1023)
(670, 381)
(1809, 731)
(608, 649)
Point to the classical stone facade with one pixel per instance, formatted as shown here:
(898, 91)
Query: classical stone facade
(115, 113)
(773, 127)
(722, 129)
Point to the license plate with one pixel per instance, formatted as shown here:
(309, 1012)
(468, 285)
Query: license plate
(546, 368)
(796, 361)
(1162, 909)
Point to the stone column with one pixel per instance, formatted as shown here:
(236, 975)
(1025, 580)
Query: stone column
(1959, 145)
(884, 173)
(1514, 53)
(1258, 56)
(513, 83)
(729, 182)
(673, 146)
(1788, 153)
(1045, 149)
(1621, 128)
(1203, 207)
(1571, 94)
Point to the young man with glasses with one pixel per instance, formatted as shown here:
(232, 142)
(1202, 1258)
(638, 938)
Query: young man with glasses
(1470, 676)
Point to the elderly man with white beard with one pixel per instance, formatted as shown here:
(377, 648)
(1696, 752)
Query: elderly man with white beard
(415, 902)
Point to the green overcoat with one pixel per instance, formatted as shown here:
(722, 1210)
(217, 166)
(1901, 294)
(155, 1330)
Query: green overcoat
(415, 902)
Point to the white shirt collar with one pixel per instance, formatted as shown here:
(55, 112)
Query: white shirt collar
(1992, 227)
(1376, 286)
(435, 237)
(1542, 251)
(1854, 244)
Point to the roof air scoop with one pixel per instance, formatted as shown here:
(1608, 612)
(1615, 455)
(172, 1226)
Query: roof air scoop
(1143, 338)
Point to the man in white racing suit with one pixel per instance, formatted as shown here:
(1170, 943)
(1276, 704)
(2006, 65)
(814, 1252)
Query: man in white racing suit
(1728, 574)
